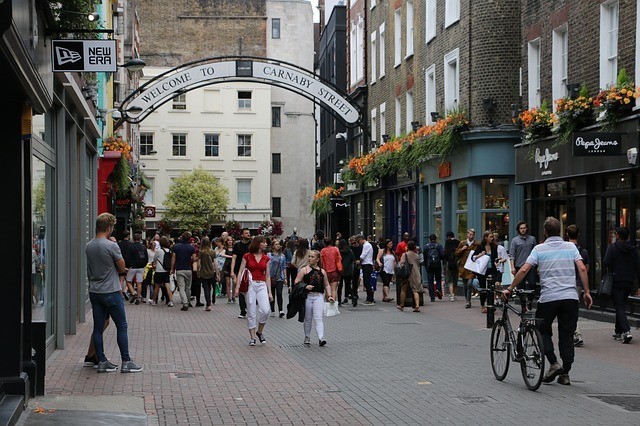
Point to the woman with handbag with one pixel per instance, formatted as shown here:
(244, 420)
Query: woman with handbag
(348, 261)
(317, 285)
(489, 248)
(413, 282)
(462, 253)
(278, 268)
(386, 261)
(258, 288)
(332, 262)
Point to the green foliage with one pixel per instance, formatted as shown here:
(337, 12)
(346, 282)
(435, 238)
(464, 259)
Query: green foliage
(622, 79)
(121, 178)
(39, 203)
(196, 200)
(72, 14)
(321, 206)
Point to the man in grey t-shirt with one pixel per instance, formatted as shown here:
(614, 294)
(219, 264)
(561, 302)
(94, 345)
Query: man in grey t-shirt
(104, 263)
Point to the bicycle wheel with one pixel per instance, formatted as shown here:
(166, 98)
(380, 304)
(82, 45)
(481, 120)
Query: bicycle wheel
(532, 363)
(500, 355)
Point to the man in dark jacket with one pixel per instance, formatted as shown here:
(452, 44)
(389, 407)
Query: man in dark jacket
(451, 264)
(622, 260)
(433, 257)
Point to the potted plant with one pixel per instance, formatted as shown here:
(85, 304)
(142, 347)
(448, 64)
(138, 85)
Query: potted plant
(573, 114)
(536, 122)
(321, 203)
(617, 101)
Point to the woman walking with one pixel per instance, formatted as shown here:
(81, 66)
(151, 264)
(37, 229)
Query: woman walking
(226, 269)
(257, 262)
(289, 252)
(161, 276)
(412, 283)
(301, 258)
(488, 247)
(278, 268)
(317, 285)
(207, 269)
(332, 262)
(386, 261)
(348, 261)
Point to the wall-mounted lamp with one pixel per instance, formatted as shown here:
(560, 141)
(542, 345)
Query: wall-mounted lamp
(415, 125)
(342, 135)
(385, 138)
(488, 104)
(435, 115)
(133, 64)
(92, 17)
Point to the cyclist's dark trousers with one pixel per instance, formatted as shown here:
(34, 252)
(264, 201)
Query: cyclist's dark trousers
(567, 313)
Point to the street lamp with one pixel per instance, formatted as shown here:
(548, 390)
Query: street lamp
(134, 64)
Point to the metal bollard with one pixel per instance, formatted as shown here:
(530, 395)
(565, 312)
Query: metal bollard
(491, 308)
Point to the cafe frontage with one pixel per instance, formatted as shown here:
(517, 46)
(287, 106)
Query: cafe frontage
(592, 181)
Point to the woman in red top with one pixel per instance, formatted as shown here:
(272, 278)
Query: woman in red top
(257, 262)
(330, 257)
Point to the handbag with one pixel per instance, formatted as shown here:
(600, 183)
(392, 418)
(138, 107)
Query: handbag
(331, 309)
(403, 271)
(478, 266)
(244, 281)
(606, 284)
(339, 266)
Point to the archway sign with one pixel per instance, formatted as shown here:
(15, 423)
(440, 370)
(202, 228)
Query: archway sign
(146, 99)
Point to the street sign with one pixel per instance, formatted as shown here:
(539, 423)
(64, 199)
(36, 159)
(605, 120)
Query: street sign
(84, 55)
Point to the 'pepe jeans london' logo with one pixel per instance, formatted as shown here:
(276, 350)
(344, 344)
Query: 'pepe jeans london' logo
(543, 160)
(597, 144)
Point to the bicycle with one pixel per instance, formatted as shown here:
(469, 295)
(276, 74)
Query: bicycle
(523, 345)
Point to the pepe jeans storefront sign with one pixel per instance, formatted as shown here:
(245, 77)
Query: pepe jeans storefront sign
(542, 159)
(597, 144)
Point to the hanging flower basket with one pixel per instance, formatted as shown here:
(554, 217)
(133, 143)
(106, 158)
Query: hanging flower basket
(234, 228)
(116, 143)
(322, 199)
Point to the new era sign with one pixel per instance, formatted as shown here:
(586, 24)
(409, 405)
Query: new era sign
(84, 55)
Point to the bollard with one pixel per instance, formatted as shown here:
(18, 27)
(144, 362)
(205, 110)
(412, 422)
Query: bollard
(491, 308)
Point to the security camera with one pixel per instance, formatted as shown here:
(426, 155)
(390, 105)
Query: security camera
(632, 156)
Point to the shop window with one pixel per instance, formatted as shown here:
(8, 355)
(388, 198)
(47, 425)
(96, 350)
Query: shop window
(378, 218)
(462, 226)
(495, 193)
(618, 181)
(41, 272)
(462, 196)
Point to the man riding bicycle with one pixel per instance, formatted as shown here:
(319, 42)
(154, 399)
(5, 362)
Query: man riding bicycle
(555, 259)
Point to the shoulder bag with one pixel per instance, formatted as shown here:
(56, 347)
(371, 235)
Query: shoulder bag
(244, 281)
(403, 271)
(606, 284)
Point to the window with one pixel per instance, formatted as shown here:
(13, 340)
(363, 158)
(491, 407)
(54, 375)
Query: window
(276, 163)
(451, 80)
(398, 117)
(276, 206)
(409, 115)
(373, 4)
(383, 53)
(244, 100)
(211, 145)
(275, 28)
(146, 143)
(374, 127)
(409, 28)
(244, 191)
(495, 209)
(212, 101)
(461, 211)
(397, 37)
(430, 93)
(373, 51)
(180, 101)
(383, 117)
(244, 145)
(451, 12)
(179, 144)
(559, 63)
(533, 66)
(148, 196)
(360, 50)
(430, 20)
(609, 14)
(352, 53)
(275, 116)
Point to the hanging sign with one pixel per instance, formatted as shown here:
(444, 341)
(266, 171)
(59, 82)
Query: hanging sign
(84, 55)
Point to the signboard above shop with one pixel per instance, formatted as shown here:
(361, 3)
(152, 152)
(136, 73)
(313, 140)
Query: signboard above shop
(84, 55)
(596, 144)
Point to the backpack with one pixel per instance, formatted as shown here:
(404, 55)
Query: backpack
(140, 256)
(166, 260)
(433, 257)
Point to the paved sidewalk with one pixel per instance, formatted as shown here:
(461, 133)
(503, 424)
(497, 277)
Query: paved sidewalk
(380, 366)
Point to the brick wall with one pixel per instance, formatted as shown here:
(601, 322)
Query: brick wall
(541, 17)
(173, 32)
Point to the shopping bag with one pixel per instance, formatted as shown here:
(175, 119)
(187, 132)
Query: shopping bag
(373, 281)
(218, 289)
(331, 309)
(478, 266)
(606, 284)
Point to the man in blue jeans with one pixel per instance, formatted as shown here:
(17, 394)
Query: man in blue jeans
(104, 264)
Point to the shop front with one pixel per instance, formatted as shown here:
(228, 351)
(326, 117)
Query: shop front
(402, 202)
(472, 188)
(592, 181)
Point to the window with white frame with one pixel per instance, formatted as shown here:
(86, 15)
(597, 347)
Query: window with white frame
(383, 118)
(179, 101)
(559, 66)
(374, 125)
(211, 144)
(430, 93)
(244, 145)
(353, 52)
(148, 196)
(430, 21)
(397, 37)
(244, 100)
(533, 69)
(146, 143)
(409, 115)
(243, 191)
(609, 17)
(398, 117)
(383, 51)
(451, 79)
(179, 144)
(212, 101)
(409, 28)
(373, 51)
(360, 50)
(451, 12)
(275, 28)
